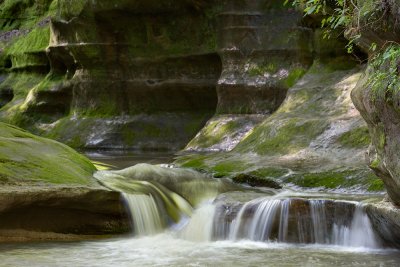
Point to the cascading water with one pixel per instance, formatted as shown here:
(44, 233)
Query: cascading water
(297, 221)
(145, 215)
(359, 234)
(199, 227)
(156, 203)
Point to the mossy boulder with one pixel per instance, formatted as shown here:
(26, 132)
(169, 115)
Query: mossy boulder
(48, 192)
(26, 158)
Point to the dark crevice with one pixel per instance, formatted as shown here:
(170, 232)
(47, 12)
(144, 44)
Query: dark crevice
(6, 95)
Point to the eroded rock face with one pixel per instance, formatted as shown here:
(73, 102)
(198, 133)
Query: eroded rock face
(382, 119)
(264, 50)
(135, 75)
(131, 75)
(315, 139)
(376, 95)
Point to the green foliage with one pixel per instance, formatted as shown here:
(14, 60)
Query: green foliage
(338, 14)
(384, 77)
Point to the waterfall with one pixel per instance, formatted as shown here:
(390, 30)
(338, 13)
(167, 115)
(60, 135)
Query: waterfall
(258, 229)
(200, 226)
(359, 234)
(319, 220)
(297, 221)
(145, 215)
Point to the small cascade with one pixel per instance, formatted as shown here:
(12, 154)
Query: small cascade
(359, 234)
(200, 226)
(296, 221)
(145, 215)
(318, 216)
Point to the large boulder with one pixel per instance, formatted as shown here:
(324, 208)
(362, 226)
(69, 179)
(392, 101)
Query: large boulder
(48, 192)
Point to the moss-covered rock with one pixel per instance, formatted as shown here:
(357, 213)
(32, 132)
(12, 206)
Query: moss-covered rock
(356, 179)
(253, 180)
(376, 97)
(48, 192)
(25, 158)
(163, 65)
(305, 143)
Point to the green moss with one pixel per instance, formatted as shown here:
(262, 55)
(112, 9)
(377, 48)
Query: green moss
(328, 180)
(287, 137)
(356, 138)
(194, 162)
(35, 41)
(253, 180)
(226, 168)
(294, 75)
(214, 132)
(28, 158)
(67, 10)
(376, 185)
(375, 164)
(338, 179)
(261, 69)
(23, 14)
(21, 83)
(273, 172)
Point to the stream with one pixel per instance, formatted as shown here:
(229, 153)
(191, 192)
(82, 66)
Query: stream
(180, 218)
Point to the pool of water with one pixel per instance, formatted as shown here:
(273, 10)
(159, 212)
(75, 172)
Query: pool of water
(168, 250)
(121, 159)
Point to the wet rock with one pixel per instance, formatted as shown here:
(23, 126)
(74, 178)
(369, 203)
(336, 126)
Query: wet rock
(253, 180)
(192, 185)
(385, 218)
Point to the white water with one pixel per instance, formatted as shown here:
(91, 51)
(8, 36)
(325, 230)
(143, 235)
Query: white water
(316, 222)
(200, 226)
(359, 234)
(188, 242)
(145, 214)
